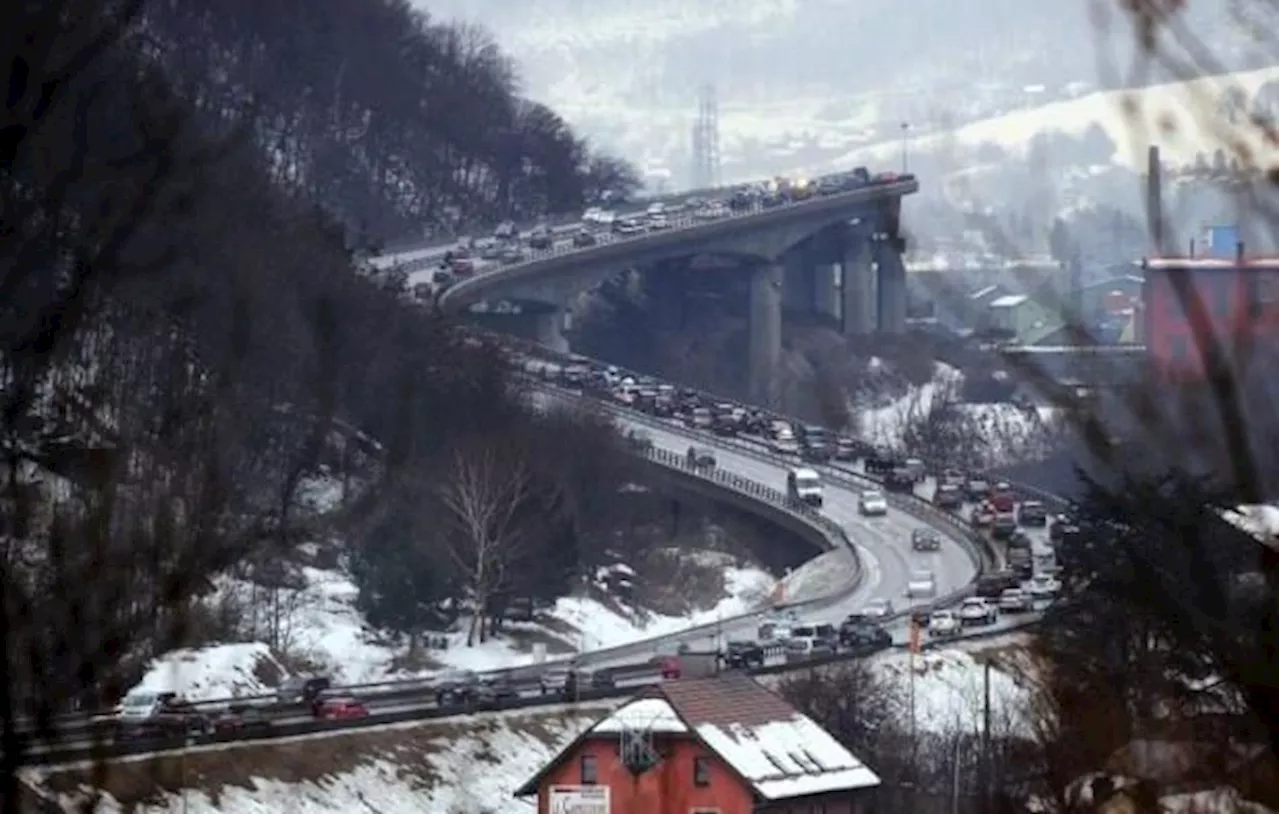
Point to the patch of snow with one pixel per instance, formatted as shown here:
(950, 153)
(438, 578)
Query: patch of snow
(321, 493)
(218, 671)
(322, 626)
(1262, 521)
(785, 759)
(948, 691)
(600, 626)
(820, 576)
(1212, 801)
(1179, 117)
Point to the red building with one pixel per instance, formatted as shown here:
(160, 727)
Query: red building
(723, 745)
(1228, 301)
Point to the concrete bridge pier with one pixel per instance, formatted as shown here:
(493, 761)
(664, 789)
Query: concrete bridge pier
(797, 282)
(891, 287)
(548, 330)
(826, 290)
(764, 327)
(857, 288)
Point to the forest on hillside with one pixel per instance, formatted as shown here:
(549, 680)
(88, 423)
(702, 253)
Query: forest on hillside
(184, 342)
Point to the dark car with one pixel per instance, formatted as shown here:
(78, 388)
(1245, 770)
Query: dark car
(240, 719)
(1032, 513)
(743, 655)
(864, 635)
(1004, 525)
(456, 688)
(584, 237)
(992, 585)
(540, 238)
(880, 462)
(302, 689)
(495, 692)
(845, 449)
(923, 539)
(948, 496)
(900, 480)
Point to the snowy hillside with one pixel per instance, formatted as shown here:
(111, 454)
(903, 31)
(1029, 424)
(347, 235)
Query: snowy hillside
(463, 765)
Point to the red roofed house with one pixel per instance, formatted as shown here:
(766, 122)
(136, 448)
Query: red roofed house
(723, 745)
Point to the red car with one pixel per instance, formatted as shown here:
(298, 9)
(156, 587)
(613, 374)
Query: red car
(671, 667)
(340, 709)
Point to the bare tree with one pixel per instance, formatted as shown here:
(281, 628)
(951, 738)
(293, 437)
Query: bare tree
(484, 489)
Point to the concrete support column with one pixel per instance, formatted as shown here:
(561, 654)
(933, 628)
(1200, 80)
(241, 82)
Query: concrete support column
(891, 287)
(858, 306)
(548, 330)
(798, 283)
(826, 290)
(765, 334)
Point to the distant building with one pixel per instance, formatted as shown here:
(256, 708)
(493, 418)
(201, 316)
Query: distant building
(1190, 303)
(725, 745)
(1024, 320)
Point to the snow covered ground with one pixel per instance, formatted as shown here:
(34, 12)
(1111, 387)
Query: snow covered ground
(1009, 432)
(321, 628)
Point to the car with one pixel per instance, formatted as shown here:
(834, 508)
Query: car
(239, 719)
(591, 215)
(921, 584)
(583, 238)
(743, 655)
(1042, 585)
(658, 223)
(845, 449)
(877, 608)
(505, 231)
(784, 444)
(1003, 525)
(872, 503)
(554, 679)
(995, 583)
(701, 458)
(540, 238)
(948, 496)
(923, 539)
(494, 692)
(340, 708)
(145, 713)
(512, 254)
(1020, 562)
(977, 611)
(982, 515)
(456, 687)
(491, 250)
(1014, 600)
(943, 623)
(861, 634)
(302, 689)
(1018, 539)
(977, 489)
(826, 637)
(1032, 513)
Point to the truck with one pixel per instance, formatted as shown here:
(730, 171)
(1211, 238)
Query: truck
(804, 486)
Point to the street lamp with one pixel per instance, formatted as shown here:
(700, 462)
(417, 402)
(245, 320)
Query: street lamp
(905, 127)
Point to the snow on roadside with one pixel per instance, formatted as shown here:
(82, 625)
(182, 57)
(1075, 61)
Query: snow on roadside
(948, 691)
(1009, 431)
(601, 627)
(821, 576)
(323, 628)
(217, 671)
(1262, 521)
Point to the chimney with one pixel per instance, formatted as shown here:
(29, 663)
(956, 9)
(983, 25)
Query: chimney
(1155, 214)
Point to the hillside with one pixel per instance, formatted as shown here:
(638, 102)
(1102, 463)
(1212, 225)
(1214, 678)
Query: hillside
(791, 75)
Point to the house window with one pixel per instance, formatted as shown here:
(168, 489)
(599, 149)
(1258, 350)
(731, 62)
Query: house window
(701, 771)
(588, 770)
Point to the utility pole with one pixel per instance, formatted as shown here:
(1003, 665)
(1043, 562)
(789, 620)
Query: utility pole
(706, 140)
(985, 774)
(905, 127)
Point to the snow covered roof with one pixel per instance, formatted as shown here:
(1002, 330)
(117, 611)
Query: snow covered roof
(791, 758)
(1206, 263)
(649, 714)
(778, 752)
(1262, 521)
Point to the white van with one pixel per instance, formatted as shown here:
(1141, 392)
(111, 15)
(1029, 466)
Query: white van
(804, 485)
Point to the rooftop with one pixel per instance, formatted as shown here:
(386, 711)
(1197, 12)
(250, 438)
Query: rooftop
(774, 748)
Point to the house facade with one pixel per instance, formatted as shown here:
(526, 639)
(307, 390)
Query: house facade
(722, 745)
(1191, 303)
